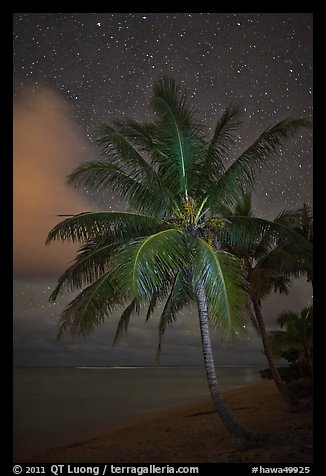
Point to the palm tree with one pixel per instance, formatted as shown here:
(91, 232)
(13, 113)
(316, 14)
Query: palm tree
(296, 335)
(270, 262)
(261, 273)
(171, 176)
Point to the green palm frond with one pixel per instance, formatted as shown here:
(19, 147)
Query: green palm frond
(247, 231)
(121, 152)
(212, 167)
(263, 280)
(152, 304)
(242, 173)
(144, 264)
(281, 284)
(243, 206)
(115, 226)
(289, 218)
(243, 233)
(124, 320)
(140, 134)
(300, 220)
(90, 308)
(177, 136)
(291, 260)
(180, 295)
(102, 175)
(159, 294)
(222, 276)
(292, 320)
(92, 261)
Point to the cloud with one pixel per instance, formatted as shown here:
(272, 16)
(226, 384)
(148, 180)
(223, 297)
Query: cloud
(47, 146)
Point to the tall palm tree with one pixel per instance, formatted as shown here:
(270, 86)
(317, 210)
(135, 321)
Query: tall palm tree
(171, 176)
(296, 335)
(270, 262)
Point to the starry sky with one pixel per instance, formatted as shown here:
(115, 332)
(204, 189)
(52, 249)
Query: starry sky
(75, 70)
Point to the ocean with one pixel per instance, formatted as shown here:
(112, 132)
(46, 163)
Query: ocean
(58, 406)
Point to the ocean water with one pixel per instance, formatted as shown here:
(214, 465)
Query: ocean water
(57, 406)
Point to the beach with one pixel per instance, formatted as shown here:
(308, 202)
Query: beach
(193, 433)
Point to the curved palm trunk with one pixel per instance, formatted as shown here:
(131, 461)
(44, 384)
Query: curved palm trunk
(240, 433)
(275, 373)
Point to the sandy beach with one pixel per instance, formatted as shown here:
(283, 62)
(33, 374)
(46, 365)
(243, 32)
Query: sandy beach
(194, 434)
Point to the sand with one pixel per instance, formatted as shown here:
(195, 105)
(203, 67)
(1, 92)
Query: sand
(195, 434)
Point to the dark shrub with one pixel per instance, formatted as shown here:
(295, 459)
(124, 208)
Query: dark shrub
(288, 374)
(300, 388)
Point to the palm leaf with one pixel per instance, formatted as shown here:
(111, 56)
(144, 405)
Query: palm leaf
(121, 152)
(263, 280)
(115, 226)
(90, 307)
(177, 136)
(212, 167)
(152, 305)
(140, 134)
(180, 295)
(291, 260)
(92, 261)
(222, 276)
(242, 173)
(140, 196)
(124, 320)
(159, 294)
(248, 231)
(144, 264)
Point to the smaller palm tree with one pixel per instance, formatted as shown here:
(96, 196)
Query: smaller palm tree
(296, 336)
(273, 255)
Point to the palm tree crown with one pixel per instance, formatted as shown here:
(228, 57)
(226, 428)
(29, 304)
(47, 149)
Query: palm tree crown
(174, 178)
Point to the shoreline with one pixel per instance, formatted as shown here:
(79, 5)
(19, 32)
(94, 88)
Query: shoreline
(194, 433)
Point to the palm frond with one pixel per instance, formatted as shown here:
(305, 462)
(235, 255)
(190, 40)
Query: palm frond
(124, 320)
(246, 231)
(152, 305)
(289, 218)
(120, 151)
(290, 260)
(160, 293)
(92, 261)
(180, 295)
(299, 220)
(115, 226)
(144, 264)
(212, 167)
(140, 134)
(222, 276)
(263, 280)
(177, 136)
(140, 196)
(242, 173)
(90, 308)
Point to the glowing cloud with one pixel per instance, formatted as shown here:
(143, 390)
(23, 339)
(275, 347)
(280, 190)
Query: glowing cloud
(47, 146)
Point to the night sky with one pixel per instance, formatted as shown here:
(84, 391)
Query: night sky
(75, 70)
